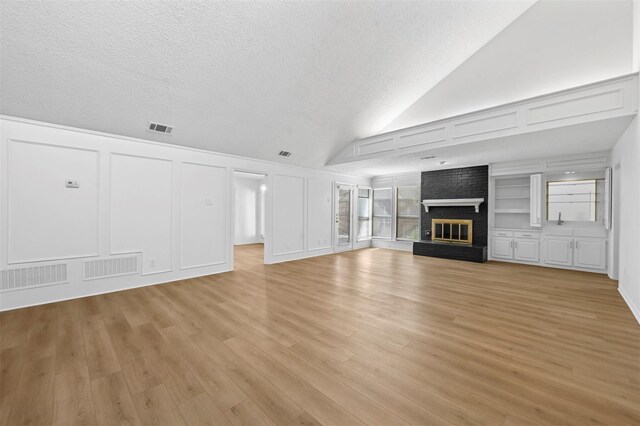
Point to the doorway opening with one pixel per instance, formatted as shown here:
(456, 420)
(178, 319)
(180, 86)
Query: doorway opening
(249, 207)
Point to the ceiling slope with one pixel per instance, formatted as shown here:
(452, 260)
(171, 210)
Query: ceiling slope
(245, 78)
(554, 45)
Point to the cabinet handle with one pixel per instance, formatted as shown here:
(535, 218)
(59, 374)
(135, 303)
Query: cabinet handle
(516, 244)
(576, 245)
(510, 244)
(571, 244)
(526, 235)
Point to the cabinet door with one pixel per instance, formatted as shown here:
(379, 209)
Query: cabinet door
(535, 201)
(590, 253)
(502, 248)
(558, 251)
(527, 250)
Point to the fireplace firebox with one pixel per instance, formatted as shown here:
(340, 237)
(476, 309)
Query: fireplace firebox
(457, 231)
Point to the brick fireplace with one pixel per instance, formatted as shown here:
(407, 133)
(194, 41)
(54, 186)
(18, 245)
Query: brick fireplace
(455, 215)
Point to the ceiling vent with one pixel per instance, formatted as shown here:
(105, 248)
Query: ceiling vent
(160, 128)
(284, 154)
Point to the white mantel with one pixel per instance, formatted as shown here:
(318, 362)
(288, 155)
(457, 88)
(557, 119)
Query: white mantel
(453, 202)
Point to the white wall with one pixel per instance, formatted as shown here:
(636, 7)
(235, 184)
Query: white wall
(626, 159)
(248, 209)
(169, 206)
(626, 154)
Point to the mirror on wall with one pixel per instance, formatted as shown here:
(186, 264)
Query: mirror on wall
(575, 200)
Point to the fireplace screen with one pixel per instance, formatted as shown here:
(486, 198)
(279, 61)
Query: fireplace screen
(452, 230)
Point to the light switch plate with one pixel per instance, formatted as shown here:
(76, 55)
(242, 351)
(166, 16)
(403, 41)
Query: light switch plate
(72, 183)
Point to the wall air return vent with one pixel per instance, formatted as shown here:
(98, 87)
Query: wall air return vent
(160, 128)
(284, 154)
(111, 267)
(32, 276)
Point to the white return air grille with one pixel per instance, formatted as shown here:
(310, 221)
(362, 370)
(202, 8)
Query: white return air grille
(32, 276)
(112, 267)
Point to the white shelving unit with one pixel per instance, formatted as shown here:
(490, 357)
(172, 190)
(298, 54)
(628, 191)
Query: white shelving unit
(511, 202)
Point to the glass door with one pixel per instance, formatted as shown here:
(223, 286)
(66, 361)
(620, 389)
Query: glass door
(343, 229)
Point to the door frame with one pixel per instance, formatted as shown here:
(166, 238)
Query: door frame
(267, 212)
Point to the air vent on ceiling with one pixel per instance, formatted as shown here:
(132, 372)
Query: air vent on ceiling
(284, 154)
(160, 128)
(112, 267)
(33, 276)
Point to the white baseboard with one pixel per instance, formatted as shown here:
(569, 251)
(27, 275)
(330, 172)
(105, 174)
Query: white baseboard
(634, 309)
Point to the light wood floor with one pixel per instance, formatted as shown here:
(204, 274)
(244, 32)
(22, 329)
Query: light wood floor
(373, 336)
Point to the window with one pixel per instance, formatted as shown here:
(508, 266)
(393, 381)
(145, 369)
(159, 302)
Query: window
(364, 214)
(382, 203)
(574, 200)
(408, 213)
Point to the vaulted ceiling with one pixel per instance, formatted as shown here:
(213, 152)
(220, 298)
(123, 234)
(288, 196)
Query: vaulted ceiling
(245, 78)
(254, 78)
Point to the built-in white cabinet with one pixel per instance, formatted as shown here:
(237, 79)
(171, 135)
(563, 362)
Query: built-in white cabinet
(502, 247)
(527, 250)
(518, 205)
(510, 245)
(558, 251)
(535, 200)
(590, 253)
(578, 252)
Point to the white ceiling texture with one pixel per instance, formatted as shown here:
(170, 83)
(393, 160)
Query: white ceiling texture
(254, 78)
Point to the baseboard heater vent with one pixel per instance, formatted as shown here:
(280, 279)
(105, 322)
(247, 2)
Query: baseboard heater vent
(32, 276)
(112, 267)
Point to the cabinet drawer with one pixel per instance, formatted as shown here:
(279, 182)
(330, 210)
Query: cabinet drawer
(508, 234)
(535, 235)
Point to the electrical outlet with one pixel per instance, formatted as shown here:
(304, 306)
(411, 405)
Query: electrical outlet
(70, 183)
(152, 262)
(208, 201)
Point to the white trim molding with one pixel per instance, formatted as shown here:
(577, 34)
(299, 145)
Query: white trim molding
(454, 202)
(602, 100)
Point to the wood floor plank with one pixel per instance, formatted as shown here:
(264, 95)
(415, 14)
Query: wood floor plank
(371, 336)
(73, 404)
(155, 407)
(202, 411)
(112, 401)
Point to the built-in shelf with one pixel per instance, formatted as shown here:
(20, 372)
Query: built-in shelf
(512, 198)
(513, 186)
(517, 211)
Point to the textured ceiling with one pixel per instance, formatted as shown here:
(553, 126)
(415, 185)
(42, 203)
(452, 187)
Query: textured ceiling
(246, 78)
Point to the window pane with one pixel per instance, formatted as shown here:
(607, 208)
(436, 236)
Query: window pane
(382, 202)
(344, 215)
(409, 229)
(364, 228)
(382, 227)
(363, 193)
(409, 201)
(363, 207)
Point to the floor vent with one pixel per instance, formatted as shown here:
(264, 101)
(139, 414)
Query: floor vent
(112, 267)
(33, 276)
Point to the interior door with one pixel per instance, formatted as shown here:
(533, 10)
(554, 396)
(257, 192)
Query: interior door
(343, 217)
